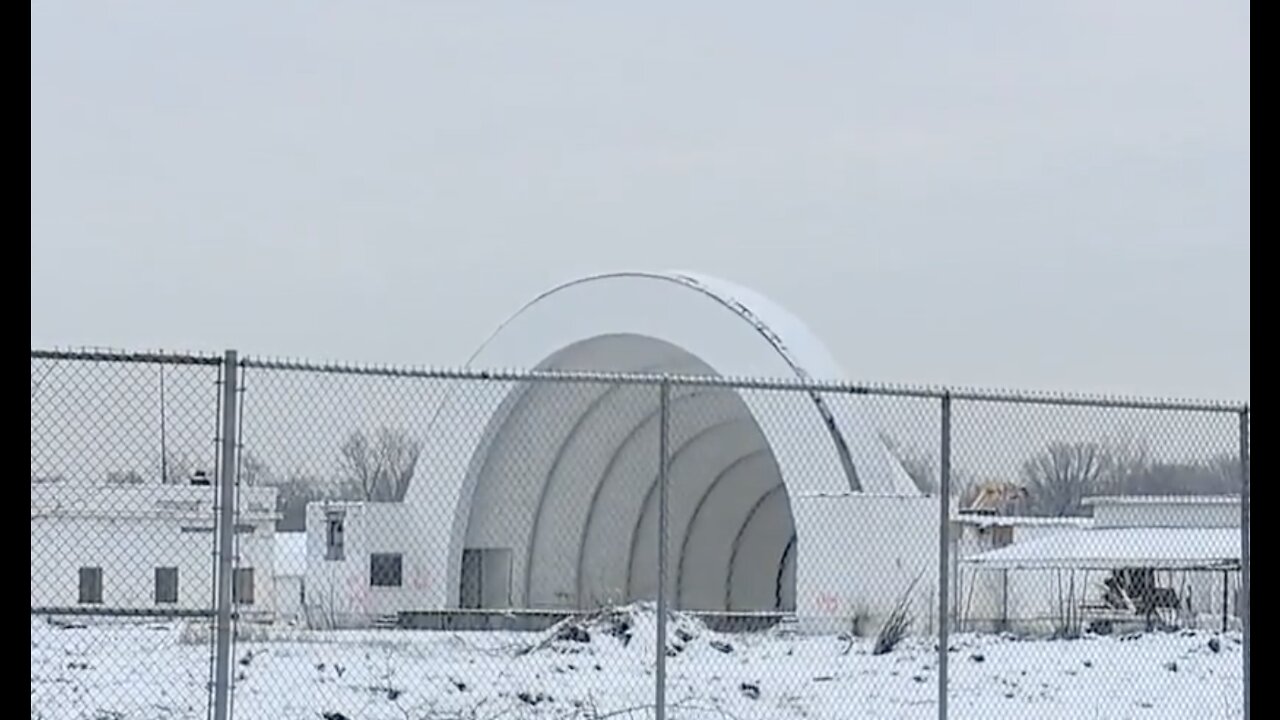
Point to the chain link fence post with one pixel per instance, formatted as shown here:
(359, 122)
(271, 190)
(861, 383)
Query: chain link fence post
(664, 428)
(565, 569)
(944, 540)
(1245, 609)
(226, 535)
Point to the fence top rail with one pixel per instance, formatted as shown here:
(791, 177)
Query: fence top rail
(747, 383)
(126, 356)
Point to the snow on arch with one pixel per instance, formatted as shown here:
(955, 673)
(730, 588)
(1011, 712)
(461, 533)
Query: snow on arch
(563, 475)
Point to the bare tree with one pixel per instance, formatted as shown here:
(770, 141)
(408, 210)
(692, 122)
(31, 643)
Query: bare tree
(1226, 472)
(1130, 470)
(124, 477)
(965, 486)
(177, 468)
(918, 466)
(1059, 478)
(254, 470)
(381, 467)
(1215, 476)
(293, 494)
(922, 468)
(1124, 460)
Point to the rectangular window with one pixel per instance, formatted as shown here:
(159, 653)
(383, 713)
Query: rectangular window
(333, 549)
(384, 570)
(242, 586)
(91, 586)
(166, 585)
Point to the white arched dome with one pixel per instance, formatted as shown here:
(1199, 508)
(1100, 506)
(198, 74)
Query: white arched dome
(561, 476)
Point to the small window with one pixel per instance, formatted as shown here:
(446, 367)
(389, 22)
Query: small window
(91, 586)
(1002, 536)
(333, 537)
(384, 570)
(242, 586)
(166, 585)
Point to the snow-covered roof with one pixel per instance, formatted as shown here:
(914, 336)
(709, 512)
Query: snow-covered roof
(1163, 500)
(855, 494)
(1020, 521)
(154, 502)
(1110, 548)
(291, 553)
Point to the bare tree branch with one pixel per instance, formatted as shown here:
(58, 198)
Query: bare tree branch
(918, 466)
(1059, 478)
(381, 468)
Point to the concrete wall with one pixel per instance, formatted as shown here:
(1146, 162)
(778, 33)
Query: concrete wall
(339, 592)
(1181, 512)
(289, 598)
(858, 554)
(131, 532)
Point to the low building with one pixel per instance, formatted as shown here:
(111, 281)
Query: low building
(358, 576)
(992, 599)
(355, 564)
(134, 549)
(1181, 553)
(1168, 511)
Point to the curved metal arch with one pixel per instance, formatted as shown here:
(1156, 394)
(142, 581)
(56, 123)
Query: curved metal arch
(763, 329)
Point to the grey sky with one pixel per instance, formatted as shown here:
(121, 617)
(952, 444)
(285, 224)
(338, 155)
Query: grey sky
(1018, 194)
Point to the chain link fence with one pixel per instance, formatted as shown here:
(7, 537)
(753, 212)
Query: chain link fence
(124, 456)
(463, 544)
(1106, 538)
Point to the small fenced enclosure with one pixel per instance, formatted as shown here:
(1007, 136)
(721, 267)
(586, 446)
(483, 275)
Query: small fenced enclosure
(217, 536)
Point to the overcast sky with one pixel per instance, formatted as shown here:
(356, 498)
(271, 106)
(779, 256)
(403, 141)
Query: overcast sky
(1045, 194)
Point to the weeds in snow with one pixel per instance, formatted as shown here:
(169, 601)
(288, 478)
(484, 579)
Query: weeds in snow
(898, 624)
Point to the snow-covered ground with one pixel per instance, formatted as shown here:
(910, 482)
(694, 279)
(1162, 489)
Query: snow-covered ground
(604, 666)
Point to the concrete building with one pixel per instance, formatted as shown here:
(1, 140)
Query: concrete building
(145, 547)
(356, 570)
(1166, 511)
(541, 496)
(1187, 548)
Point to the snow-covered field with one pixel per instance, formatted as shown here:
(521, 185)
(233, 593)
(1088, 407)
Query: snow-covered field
(604, 667)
